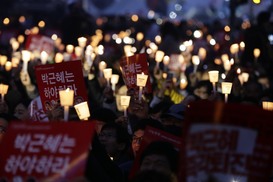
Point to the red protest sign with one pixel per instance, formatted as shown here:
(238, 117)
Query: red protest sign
(150, 135)
(54, 151)
(54, 77)
(223, 144)
(40, 43)
(133, 65)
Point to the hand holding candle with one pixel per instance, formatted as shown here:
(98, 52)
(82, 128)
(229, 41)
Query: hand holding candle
(66, 100)
(141, 82)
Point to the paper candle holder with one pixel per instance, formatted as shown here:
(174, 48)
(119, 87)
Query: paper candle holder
(226, 87)
(159, 56)
(82, 42)
(124, 102)
(82, 110)
(66, 97)
(142, 80)
(267, 105)
(213, 76)
(107, 72)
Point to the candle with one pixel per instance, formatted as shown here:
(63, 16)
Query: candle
(267, 105)
(3, 60)
(82, 42)
(44, 57)
(166, 61)
(8, 66)
(82, 110)
(59, 57)
(107, 75)
(15, 45)
(124, 102)
(196, 62)
(159, 56)
(213, 77)
(66, 100)
(78, 51)
(69, 49)
(226, 89)
(245, 76)
(127, 50)
(183, 81)
(3, 90)
(256, 53)
(102, 66)
(26, 55)
(114, 81)
(202, 53)
(141, 82)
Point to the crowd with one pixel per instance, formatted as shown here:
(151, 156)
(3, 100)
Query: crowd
(118, 138)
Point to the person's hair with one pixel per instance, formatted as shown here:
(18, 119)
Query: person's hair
(162, 148)
(143, 123)
(152, 176)
(122, 136)
(103, 114)
(205, 83)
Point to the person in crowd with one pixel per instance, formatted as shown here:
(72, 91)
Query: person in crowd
(102, 116)
(139, 131)
(21, 110)
(160, 156)
(116, 141)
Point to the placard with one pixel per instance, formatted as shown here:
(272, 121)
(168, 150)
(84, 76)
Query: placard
(150, 135)
(40, 43)
(133, 65)
(226, 142)
(59, 76)
(55, 151)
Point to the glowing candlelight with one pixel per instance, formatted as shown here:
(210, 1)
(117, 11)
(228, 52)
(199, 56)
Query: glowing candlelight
(66, 100)
(213, 77)
(159, 56)
(3, 90)
(256, 53)
(26, 55)
(245, 76)
(82, 110)
(8, 66)
(82, 42)
(124, 102)
(102, 66)
(202, 53)
(226, 89)
(114, 81)
(78, 51)
(267, 105)
(107, 75)
(59, 57)
(195, 62)
(3, 60)
(44, 57)
(69, 49)
(141, 82)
